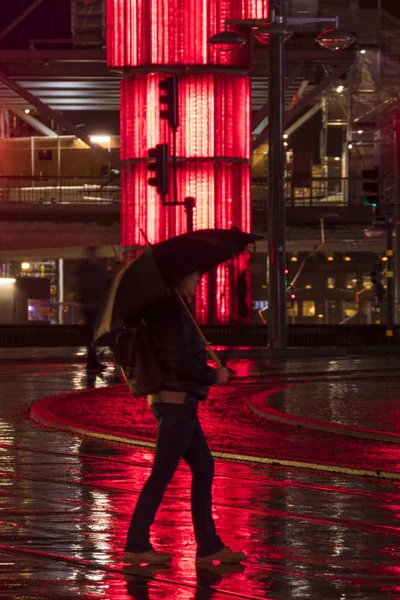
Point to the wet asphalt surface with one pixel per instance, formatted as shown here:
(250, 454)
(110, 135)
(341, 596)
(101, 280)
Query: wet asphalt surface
(66, 500)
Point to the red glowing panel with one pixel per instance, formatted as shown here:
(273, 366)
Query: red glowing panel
(174, 32)
(204, 181)
(214, 112)
(220, 197)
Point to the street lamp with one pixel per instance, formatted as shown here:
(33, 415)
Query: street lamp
(226, 41)
(336, 39)
(263, 33)
(274, 33)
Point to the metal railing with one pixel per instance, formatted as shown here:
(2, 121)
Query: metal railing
(320, 191)
(316, 191)
(42, 335)
(60, 190)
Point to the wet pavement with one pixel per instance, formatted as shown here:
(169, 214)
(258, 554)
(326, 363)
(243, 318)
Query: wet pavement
(66, 500)
(355, 400)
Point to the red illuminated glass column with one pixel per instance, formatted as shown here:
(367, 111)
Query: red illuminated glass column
(213, 146)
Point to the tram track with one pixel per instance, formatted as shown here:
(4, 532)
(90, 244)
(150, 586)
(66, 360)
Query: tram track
(260, 512)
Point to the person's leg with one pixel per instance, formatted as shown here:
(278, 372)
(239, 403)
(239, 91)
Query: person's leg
(201, 463)
(175, 430)
(91, 357)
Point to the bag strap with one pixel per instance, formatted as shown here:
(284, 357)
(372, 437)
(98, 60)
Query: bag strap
(211, 352)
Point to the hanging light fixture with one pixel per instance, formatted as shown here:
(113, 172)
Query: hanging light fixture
(227, 41)
(263, 33)
(336, 39)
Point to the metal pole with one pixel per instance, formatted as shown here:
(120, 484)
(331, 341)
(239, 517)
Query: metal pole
(277, 326)
(389, 278)
(189, 203)
(174, 164)
(33, 157)
(60, 291)
(59, 168)
(397, 219)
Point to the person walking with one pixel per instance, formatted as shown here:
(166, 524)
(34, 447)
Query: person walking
(182, 356)
(92, 286)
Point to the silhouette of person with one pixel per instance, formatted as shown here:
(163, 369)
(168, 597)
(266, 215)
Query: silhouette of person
(92, 286)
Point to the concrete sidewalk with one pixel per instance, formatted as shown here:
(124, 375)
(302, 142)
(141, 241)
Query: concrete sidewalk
(309, 533)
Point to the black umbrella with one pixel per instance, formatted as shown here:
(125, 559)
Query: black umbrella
(163, 266)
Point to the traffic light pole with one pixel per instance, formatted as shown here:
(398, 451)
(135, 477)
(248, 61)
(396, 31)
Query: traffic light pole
(389, 278)
(189, 204)
(174, 164)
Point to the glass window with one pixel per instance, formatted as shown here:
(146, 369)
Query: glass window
(351, 281)
(293, 311)
(366, 281)
(308, 308)
(330, 283)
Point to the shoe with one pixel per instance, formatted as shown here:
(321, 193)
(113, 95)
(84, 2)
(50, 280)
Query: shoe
(151, 557)
(225, 556)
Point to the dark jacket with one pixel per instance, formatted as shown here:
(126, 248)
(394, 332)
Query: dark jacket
(180, 351)
(92, 286)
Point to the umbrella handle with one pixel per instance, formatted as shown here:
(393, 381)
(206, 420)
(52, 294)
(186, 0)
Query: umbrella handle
(211, 352)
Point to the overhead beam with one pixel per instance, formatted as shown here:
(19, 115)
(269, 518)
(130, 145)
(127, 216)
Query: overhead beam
(77, 70)
(260, 120)
(101, 107)
(260, 56)
(293, 57)
(300, 92)
(53, 55)
(54, 115)
(305, 101)
(35, 123)
(20, 18)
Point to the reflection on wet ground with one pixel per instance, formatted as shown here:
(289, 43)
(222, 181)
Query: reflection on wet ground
(66, 503)
(371, 401)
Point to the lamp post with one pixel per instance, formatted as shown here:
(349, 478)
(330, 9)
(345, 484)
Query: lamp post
(389, 278)
(274, 33)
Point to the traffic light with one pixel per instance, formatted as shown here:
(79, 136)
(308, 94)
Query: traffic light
(160, 168)
(170, 100)
(292, 296)
(371, 187)
(286, 273)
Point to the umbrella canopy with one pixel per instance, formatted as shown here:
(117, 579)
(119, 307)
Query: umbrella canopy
(162, 266)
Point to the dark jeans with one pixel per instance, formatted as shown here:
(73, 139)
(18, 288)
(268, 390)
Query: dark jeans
(179, 436)
(91, 320)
